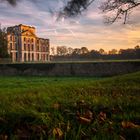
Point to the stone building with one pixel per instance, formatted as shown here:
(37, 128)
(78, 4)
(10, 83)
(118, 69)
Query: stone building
(25, 46)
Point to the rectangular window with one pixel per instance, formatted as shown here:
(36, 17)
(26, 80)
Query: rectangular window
(32, 47)
(44, 49)
(11, 38)
(32, 57)
(16, 56)
(15, 38)
(24, 57)
(44, 57)
(28, 56)
(38, 56)
(11, 47)
(28, 47)
(32, 40)
(37, 48)
(24, 47)
(16, 46)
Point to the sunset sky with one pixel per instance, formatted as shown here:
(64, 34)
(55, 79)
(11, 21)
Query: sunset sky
(87, 30)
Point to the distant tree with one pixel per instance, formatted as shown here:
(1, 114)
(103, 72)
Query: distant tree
(113, 51)
(94, 54)
(3, 44)
(84, 50)
(52, 50)
(130, 53)
(137, 47)
(137, 51)
(70, 50)
(76, 51)
(102, 51)
(120, 51)
(62, 50)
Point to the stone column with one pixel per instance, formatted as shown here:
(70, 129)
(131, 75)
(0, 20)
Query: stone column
(26, 57)
(22, 56)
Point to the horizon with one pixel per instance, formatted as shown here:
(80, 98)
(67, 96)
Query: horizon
(86, 30)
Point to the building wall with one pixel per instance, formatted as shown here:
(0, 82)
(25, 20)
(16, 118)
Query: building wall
(25, 46)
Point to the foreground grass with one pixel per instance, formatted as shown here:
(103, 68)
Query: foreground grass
(70, 108)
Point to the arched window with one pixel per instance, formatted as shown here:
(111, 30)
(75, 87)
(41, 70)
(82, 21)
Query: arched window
(32, 57)
(24, 47)
(32, 40)
(11, 46)
(10, 37)
(24, 57)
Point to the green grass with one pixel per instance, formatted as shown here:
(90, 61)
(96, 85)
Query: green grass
(52, 107)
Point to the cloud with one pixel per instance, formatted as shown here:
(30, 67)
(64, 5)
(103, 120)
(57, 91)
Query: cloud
(86, 30)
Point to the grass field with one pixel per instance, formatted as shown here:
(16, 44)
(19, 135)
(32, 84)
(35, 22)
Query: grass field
(70, 108)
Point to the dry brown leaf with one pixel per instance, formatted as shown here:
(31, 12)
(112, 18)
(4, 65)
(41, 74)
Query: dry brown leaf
(57, 132)
(102, 117)
(126, 124)
(56, 106)
(122, 138)
(88, 114)
(68, 126)
(81, 103)
(84, 120)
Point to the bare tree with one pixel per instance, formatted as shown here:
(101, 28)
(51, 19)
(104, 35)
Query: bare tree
(113, 51)
(62, 50)
(118, 9)
(53, 50)
(115, 9)
(70, 50)
(3, 44)
(75, 7)
(12, 2)
(102, 51)
(84, 50)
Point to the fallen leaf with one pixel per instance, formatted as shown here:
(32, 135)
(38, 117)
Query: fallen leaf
(81, 103)
(126, 124)
(122, 138)
(88, 114)
(102, 117)
(84, 120)
(57, 132)
(68, 126)
(56, 106)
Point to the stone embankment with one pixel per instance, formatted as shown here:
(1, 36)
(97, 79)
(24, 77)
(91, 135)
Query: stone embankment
(71, 69)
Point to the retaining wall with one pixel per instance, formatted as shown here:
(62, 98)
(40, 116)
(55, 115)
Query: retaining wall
(70, 69)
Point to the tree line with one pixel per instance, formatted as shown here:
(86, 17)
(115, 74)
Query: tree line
(3, 44)
(64, 53)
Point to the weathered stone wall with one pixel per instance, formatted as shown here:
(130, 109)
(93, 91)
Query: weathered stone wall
(71, 69)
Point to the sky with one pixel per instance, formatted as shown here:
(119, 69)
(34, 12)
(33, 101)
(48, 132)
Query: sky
(86, 30)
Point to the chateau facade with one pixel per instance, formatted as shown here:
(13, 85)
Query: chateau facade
(25, 46)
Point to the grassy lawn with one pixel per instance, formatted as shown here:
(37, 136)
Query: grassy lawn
(70, 108)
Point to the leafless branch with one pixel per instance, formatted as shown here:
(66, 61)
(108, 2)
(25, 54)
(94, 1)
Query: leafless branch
(117, 9)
